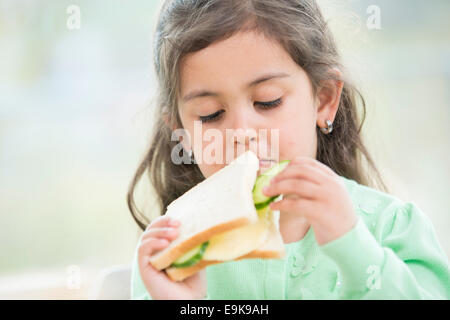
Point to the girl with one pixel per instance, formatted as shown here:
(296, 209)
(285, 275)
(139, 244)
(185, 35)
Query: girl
(264, 64)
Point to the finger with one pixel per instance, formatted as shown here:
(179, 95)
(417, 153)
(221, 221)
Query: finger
(305, 207)
(301, 171)
(169, 233)
(149, 247)
(319, 165)
(148, 272)
(163, 221)
(300, 187)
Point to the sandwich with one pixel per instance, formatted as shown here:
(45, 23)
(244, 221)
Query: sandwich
(225, 217)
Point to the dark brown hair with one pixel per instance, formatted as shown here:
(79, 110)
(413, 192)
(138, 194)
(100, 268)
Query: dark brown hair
(187, 26)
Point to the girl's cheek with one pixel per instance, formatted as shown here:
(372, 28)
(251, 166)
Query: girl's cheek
(295, 142)
(209, 169)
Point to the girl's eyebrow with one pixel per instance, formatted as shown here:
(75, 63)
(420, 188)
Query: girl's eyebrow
(204, 93)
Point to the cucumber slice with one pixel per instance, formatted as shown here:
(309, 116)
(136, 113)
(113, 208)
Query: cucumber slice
(261, 200)
(191, 257)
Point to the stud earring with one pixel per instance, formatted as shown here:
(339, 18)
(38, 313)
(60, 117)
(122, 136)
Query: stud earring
(329, 127)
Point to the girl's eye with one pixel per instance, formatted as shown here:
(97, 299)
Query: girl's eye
(263, 105)
(211, 117)
(270, 104)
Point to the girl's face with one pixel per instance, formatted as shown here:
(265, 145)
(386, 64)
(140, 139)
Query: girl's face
(249, 82)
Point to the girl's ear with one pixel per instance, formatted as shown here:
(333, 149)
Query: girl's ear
(328, 98)
(166, 119)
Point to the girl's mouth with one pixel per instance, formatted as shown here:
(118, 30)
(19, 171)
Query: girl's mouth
(266, 163)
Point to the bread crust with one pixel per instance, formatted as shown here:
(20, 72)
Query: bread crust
(179, 274)
(165, 258)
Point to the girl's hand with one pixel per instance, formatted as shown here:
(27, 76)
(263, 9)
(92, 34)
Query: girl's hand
(156, 237)
(312, 190)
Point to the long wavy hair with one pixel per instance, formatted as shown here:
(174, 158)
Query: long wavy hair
(187, 26)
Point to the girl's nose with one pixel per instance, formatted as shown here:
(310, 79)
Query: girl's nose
(243, 142)
(243, 127)
(243, 119)
(244, 134)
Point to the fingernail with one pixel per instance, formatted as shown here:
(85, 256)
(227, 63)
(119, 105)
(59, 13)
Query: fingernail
(265, 189)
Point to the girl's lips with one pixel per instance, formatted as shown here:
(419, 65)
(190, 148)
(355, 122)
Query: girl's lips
(266, 163)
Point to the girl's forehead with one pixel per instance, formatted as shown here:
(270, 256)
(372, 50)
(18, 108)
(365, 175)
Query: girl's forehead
(247, 50)
(238, 61)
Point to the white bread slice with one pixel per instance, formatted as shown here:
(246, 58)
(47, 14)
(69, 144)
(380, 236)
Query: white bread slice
(219, 203)
(273, 248)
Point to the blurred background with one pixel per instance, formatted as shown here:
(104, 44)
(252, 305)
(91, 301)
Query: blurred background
(76, 114)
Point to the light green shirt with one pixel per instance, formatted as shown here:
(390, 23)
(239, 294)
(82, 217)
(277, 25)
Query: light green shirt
(391, 253)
